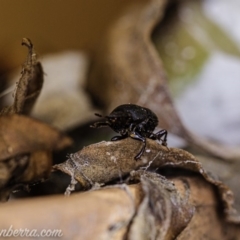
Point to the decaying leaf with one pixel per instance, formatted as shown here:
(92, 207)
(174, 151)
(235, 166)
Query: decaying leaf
(149, 210)
(227, 173)
(20, 134)
(25, 151)
(29, 85)
(23, 169)
(163, 213)
(138, 202)
(90, 165)
(128, 69)
(207, 222)
(154, 208)
(26, 144)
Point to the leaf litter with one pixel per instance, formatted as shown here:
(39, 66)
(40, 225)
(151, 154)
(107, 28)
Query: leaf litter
(150, 206)
(25, 143)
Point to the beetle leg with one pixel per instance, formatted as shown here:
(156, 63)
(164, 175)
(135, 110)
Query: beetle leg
(116, 138)
(136, 136)
(98, 115)
(132, 127)
(99, 124)
(162, 133)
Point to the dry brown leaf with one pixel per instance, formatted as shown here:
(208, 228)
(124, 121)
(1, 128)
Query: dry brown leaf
(21, 170)
(25, 143)
(39, 165)
(25, 151)
(189, 205)
(155, 208)
(29, 85)
(104, 162)
(227, 173)
(20, 134)
(11, 166)
(163, 213)
(128, 69)
(116, 212)
(207, 222)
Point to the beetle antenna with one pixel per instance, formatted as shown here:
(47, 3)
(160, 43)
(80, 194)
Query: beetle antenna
(98, 115)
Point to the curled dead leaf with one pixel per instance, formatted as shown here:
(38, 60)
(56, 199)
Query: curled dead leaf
(25, 151)
(105, 162)
(20, 134)
(29, 85)
(155, 207)
(207, 221)
(164, 211)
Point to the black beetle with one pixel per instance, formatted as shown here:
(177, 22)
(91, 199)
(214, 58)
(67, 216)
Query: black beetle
(133, 121)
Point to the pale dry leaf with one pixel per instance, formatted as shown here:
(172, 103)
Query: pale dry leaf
(101, 214)
(120, 211)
